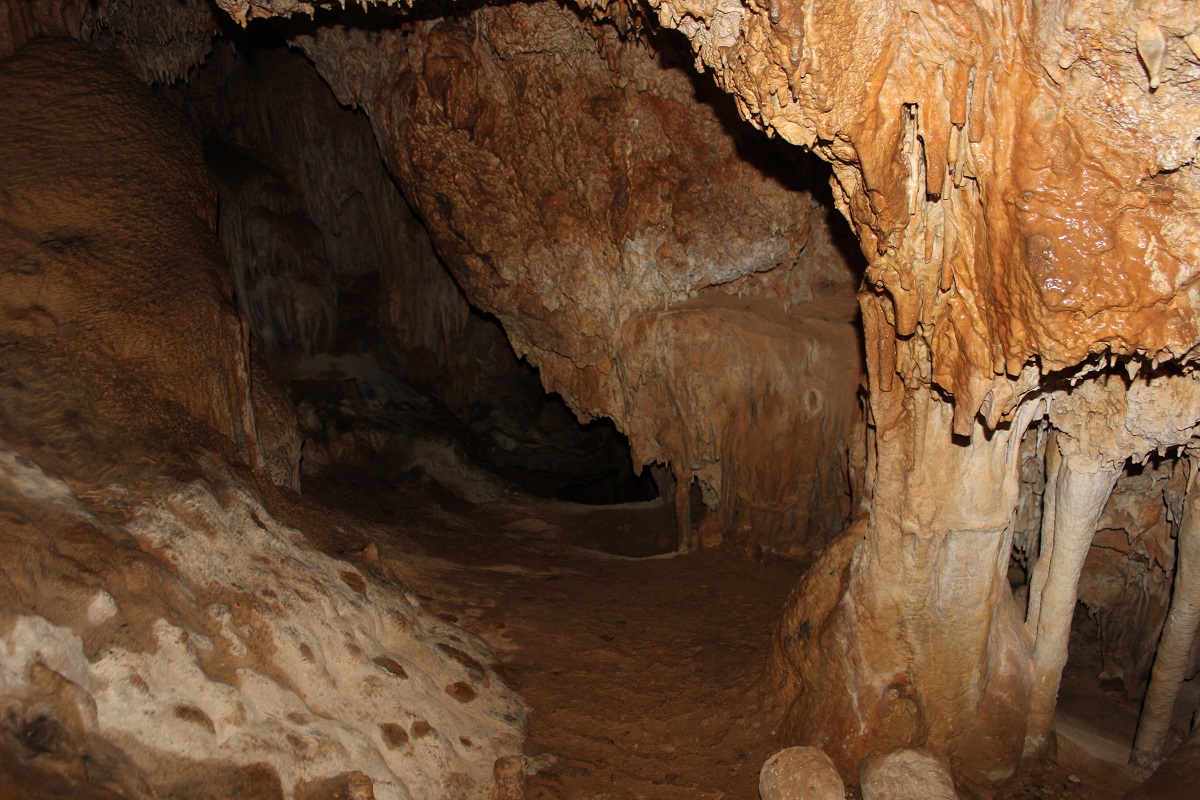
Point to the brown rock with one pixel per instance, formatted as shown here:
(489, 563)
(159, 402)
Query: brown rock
(906, 774)
(800, 773)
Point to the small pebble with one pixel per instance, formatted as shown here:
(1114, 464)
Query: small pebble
(1074, 779)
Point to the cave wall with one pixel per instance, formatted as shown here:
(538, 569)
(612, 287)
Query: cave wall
(312, 221)
(579, 192)
(1125, 585)
(348, 302)
(162, 632)
(86, 228)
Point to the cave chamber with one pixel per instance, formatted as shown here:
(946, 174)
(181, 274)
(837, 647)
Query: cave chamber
(503, 400)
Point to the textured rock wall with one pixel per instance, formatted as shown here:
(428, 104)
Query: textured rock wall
(761, 406)
(161, 634)
(156, 41)
(579, 192)
(606, 192)
(75, 240)
(342, 288)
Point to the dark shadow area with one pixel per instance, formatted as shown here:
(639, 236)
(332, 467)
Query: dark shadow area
(375, 341)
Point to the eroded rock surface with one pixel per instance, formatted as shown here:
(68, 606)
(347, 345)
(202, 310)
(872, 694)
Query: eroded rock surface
(161, 633)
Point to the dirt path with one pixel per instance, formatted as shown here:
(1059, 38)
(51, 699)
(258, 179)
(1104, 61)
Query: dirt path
(639, 673)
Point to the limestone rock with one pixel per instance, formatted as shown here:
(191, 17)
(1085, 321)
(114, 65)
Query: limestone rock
(626, 236)
(232, 645)
(162, 634)
(84, 270)
(906, 774)
(800, 773)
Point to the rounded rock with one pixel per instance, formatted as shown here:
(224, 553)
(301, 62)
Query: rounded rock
(800, 773)
(906, 773)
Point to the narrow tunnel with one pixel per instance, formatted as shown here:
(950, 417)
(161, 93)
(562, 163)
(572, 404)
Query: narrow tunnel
(537, 400)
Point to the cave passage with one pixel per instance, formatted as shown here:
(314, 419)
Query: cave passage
(470, 401)
(353, 311)
(412, 405)
(392, 368)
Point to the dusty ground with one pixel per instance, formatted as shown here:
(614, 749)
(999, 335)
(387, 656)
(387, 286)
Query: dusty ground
(639, 672)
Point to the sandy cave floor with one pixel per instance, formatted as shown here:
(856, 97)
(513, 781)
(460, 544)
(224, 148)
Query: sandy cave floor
(639, 673)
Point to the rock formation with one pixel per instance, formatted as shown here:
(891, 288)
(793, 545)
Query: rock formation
(1021, 182)
(161, 633)
(350, 305)
(579, 192)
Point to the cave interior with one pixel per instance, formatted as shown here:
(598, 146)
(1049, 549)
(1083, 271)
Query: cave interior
(596, 399)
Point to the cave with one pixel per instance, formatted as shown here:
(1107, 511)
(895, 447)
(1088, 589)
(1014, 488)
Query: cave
(554, 400)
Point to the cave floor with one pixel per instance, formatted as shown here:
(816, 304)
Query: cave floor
(639, 673)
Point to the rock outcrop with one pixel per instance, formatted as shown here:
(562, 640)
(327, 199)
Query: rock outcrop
(161, 633)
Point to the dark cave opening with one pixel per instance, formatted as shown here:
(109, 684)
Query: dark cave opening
(373, 338)
(357, 315)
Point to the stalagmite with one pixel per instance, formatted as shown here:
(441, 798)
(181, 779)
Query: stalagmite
(1171, 662)
(1037, 582)
(1081, 490)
